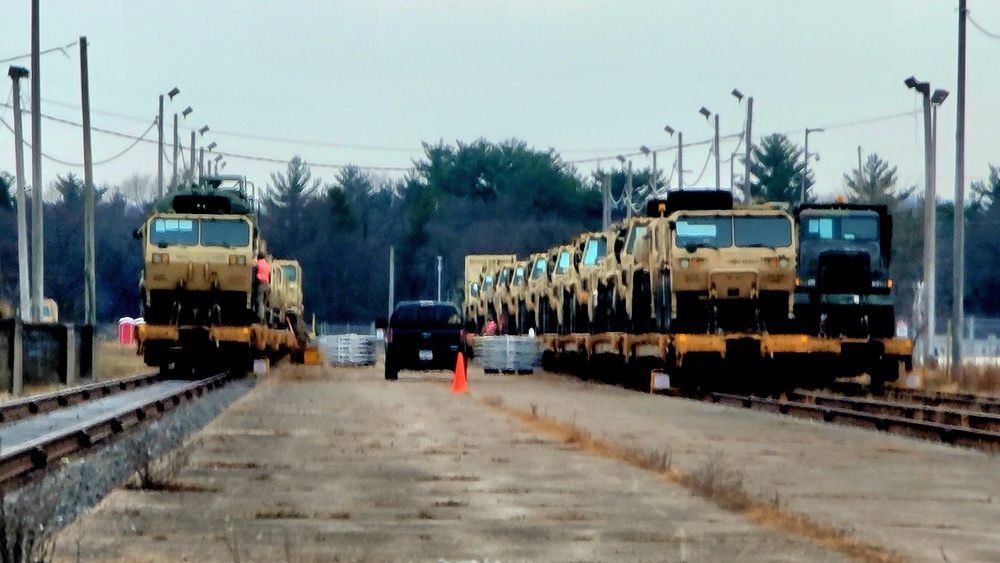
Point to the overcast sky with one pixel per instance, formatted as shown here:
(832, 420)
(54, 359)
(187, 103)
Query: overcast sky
(366, 82)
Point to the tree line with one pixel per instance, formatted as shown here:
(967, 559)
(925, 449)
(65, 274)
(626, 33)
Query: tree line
(479, 197)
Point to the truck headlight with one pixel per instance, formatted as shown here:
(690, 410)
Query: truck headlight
(783, 263)
(685, 263)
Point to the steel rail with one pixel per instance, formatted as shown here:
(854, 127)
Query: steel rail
(38, 453)
(929, 429)
(30, 406)
(913, 410)
(968, 401)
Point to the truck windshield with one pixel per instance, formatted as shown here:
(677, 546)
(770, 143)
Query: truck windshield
(290, 273)
(518, 275)
(488, 283)
(539, 270)
(169, 232)
(763, 231)
(225, 232)
(474, 289)
(596, 249)
(563, 263)
(704, 232)
(842, 227)
(638, 232)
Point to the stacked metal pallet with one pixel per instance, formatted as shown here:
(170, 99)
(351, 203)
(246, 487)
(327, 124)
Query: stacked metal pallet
(348, 349)
(508, 354)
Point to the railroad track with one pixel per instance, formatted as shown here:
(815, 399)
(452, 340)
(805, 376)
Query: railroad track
(19, 409)
(26, 451)
(956, 425)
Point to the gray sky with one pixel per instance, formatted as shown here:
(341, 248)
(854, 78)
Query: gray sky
(366, 81)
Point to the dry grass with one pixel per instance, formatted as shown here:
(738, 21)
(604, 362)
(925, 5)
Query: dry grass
(973, 379)
(280, 513)
(115, 361)
(715, 480)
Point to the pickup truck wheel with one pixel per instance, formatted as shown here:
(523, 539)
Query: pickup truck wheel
(391, 371)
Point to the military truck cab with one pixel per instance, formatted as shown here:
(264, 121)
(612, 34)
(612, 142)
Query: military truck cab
(844, 287)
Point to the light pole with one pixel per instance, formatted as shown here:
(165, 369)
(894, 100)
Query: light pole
(201, 159)
(177, 142)
(718, 161)
(747, 143)
(159, 129)
(805, 163)
(653, 177)
(16, 73)
(930, 212)
(210, 147)
(680, 155)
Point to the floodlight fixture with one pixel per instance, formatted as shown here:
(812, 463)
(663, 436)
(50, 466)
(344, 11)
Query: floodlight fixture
(211, 146)
(218, 157)
(644, 150)
(621, 159)
(173, 92)
(737, 94)
(938, 97)
(187, 111)
(17, 72)
(704, 111)
(203, 130)
(922, 87)
(669, 130)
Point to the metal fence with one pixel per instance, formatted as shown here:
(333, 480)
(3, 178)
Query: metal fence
(980, 341)
(348, 349)
(520, 354)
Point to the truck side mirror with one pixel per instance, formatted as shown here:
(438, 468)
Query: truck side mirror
(137, 234)
(381, 323)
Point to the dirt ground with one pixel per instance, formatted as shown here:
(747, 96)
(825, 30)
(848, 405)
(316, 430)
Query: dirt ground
(336, 464)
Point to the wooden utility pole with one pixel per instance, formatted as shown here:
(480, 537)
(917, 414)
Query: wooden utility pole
(89, 273)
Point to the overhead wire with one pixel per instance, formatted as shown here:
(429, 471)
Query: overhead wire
(990, 34)
(45, 52)
(704, 168)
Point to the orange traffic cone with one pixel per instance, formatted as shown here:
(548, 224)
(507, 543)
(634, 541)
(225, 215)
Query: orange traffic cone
(460, 385)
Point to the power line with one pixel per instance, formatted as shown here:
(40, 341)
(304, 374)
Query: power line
(45, 52)
(990, 34)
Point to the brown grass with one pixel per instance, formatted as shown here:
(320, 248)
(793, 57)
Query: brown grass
(973, 379)
(280, 513)
(115, 361)
(715, 480)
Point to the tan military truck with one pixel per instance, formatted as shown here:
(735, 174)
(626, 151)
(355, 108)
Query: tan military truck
(724, 270)
(591, 296)
(622, 279)
(479, 267)
(567, 285)
(559, 263)
(534, 297)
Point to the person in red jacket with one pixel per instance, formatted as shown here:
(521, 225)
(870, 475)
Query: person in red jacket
(262, 282)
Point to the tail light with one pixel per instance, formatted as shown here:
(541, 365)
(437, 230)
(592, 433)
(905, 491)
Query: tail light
(388, 336)
(237, 260)
(161, 258)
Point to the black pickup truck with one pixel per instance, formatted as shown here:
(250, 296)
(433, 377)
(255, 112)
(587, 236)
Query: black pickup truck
(423, 335)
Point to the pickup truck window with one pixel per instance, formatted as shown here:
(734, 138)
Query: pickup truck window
(426, 316)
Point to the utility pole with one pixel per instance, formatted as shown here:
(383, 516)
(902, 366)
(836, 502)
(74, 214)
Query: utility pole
(629, 190)
(748, 145)
(192, 154)
(605, 201)
(439, 277)
(680, 160)
(718, 160)
(159, 151)
(653, 179)
(16, 73)
(89, 271)
(201, 163)
(173, 179)
(392, 280)
(958, 284)
(805, 163)
(37, 248)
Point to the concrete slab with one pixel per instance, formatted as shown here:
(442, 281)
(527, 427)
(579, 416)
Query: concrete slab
(323, 464)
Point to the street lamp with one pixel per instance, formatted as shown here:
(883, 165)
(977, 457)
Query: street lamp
(203, 130)
(211, 146)
(653, 179)
(805, 164)
(159, 127)
(747, 142)
(177, 141)
(680, 154)
(930, 211)
(718, 161)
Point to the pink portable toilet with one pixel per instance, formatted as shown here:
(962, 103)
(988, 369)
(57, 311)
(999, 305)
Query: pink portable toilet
(126, 331)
